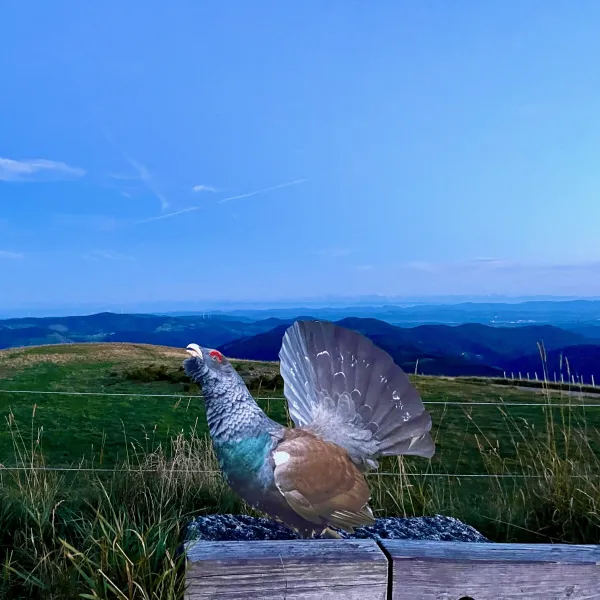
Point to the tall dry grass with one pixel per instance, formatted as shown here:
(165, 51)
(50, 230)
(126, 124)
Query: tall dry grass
(104, 534)
(550, 493)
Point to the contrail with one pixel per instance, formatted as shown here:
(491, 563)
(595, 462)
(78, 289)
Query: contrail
(143, 173)
(168, 215)
(191, 208)
(269, 189)
(146, 177)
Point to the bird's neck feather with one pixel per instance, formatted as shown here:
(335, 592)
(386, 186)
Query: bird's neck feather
(233, 414)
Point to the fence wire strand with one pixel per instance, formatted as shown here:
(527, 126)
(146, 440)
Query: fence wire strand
(209, 472)
(282, 398)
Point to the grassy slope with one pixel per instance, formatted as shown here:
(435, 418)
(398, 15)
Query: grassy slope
(96, 427)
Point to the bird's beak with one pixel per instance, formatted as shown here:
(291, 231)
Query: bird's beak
(194, 350)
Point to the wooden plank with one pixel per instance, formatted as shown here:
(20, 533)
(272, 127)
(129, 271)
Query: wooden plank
(286, 569)
(432, 570)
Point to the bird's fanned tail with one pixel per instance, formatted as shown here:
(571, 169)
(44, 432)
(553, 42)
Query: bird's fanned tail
(349, 391)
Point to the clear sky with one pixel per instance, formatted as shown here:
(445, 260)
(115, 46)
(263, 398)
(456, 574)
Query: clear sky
(192, 150)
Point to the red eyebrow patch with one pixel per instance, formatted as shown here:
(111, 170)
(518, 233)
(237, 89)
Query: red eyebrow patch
(216, 354)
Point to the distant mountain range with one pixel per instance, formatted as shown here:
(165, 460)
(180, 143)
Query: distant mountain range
(346, 304)
(566, 314)
(142, 329)
(435, 349)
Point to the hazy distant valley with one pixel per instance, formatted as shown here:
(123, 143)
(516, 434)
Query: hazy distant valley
(462, 339)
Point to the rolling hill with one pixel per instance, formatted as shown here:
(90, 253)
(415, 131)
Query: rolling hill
(453, 350)
(158, 330)
(265, 346)
(469, 349)
(589, 331)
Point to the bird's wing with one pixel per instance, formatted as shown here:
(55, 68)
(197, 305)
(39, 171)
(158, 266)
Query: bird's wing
(349, 391)
(320, 482)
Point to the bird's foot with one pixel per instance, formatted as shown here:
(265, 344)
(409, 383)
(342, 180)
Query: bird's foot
(330, 534)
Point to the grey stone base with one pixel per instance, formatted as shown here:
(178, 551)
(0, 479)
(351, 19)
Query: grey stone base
(243, 528)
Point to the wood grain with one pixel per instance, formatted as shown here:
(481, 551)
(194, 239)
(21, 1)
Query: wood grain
(431, 570)
(291, 570)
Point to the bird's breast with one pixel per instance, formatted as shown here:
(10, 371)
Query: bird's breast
(245, 459)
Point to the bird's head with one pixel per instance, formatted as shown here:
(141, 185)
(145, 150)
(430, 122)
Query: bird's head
(208, 367)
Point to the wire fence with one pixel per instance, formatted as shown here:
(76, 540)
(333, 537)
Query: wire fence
(556, 379)
(282, 398)
(513, 476)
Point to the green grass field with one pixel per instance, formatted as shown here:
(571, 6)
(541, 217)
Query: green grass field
(95, 427)
(135, 408)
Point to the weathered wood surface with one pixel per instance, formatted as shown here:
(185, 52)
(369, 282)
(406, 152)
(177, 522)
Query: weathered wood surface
(430, 570)
(414, 570)
(290, 570)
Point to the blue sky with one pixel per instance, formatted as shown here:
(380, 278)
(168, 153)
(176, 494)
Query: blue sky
(241, 150)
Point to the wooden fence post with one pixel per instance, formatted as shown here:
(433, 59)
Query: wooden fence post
(390, 569)
(432, 570)
(278, 570)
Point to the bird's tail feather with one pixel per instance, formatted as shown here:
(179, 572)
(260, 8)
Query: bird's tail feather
(341, 385)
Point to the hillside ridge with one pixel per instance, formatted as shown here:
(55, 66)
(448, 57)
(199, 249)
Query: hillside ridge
(467, 349)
